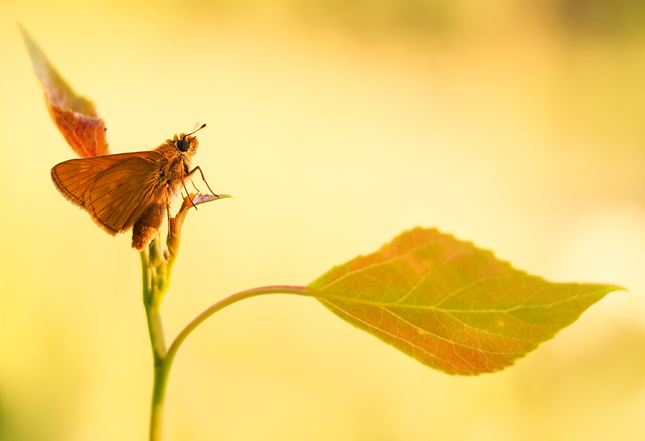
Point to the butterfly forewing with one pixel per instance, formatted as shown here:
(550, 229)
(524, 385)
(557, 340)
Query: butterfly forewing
(72, 178)
(114, 189)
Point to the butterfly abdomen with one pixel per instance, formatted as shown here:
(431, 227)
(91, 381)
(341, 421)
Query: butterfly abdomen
(146, 227)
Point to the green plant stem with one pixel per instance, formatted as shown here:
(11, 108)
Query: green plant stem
(156, 280)
(158, 400)
(164, 359)
(145, 273)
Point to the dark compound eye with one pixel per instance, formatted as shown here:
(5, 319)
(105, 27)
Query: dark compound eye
(182, 145)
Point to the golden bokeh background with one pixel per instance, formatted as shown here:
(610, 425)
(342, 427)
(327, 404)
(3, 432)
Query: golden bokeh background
(336, 125)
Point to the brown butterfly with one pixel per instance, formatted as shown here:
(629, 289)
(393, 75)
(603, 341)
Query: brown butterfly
(129, 190)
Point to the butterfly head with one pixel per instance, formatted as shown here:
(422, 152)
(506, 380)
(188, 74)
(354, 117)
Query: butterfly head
(187, 143)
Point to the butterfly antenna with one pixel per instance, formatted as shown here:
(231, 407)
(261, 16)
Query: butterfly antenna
(194, 131)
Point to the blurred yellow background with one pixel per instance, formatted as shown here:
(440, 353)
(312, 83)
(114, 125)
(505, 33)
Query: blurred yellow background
(336, 125)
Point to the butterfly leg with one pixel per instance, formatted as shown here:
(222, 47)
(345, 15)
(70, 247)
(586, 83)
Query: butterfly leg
(170, 220)
(183, 182)
(203, 178)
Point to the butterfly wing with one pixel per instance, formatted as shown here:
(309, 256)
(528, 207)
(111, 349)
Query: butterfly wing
(123, 192)
(72, 178)
(113, 189)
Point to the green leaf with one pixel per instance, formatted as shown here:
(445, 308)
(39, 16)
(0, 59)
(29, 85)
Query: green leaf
(450, 305)
(74, 115)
